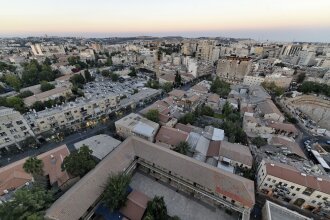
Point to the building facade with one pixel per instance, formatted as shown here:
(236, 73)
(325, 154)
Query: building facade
(13, 127)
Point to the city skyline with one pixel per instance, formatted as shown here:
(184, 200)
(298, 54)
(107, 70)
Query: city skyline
(261, 20)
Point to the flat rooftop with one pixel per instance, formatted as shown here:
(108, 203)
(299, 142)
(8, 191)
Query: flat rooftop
(277, 212)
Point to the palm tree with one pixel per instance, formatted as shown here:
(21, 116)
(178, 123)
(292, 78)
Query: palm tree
(115, 193)
(34, 166)
(182, 148)
(157, 209)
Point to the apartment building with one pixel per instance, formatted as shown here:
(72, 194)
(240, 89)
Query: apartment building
(72, 114)
(253, 80)
(291, 50)
(205, 50)
(13, 127)
(232, 69)
(305, 187)
(136, 125)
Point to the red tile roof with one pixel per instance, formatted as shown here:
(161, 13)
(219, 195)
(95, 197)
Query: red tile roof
(291, 174)
(171, 136)
(135, 206)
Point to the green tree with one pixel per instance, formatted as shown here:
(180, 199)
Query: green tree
(220, 87)
(177, 79)
(271, 86)
(115, 192)
(301, 77)
(88, 76)
(227, 109)
(45, 86)
(34, 166)
(167, 87)
(47, 61)
(157, 208)
(182, 148)
(80, 162)
(16, 103)
(188, 118)
(154, 84)
(114, 77)
(13, 81)
(25, 94)
(132, 73)
(207, 110)
(153, 115)
(109, 61)
(259, 141)
(78, 80)
(27, 204)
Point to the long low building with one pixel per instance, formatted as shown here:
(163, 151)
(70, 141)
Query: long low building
(215, 185)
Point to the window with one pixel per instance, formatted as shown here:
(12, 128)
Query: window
(318, 196)
(319, 203)
(293, 194)
(265, 184)
(308, 191)
(292, 187)
(270, 186)
(325, 198)
(268, 179)
(298, 189)
(42, 122)
(285, 184)
(19, 122)
(313, 201)
(274, 181)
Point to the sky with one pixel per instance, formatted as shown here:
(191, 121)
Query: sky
(281, 20)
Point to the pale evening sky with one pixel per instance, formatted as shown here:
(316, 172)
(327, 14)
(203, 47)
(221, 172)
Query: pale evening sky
(284, 20)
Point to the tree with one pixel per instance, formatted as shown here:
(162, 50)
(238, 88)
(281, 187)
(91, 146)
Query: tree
(114, 77)
(188, 118)
(47, 61)
(109, 61)
(115, 192)
(154, 84)
(29, 204)
(78, 80)
(167, 87)
(25, 94)
(34, 166)
(271, 86)
(153, 115)
(182, 148)
(88, 76)
(207, 110)
(227, 109)
(177, 79)
(259, 141)
(45, 86)
(301, 77)
(220, 87)
(80, 162)
(156, 208)
(132, 73)
(16, 103)
(13, 81)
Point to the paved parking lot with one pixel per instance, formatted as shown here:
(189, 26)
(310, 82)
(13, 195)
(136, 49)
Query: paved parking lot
(177, 203)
